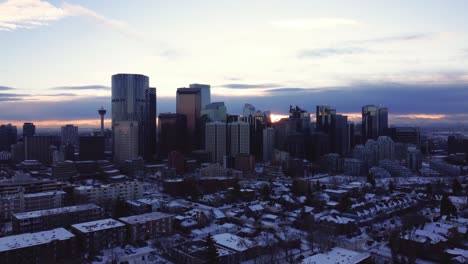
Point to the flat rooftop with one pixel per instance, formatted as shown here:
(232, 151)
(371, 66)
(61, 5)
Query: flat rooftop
(143, 218)
(55, 211)
(98, 225)
(33, 239)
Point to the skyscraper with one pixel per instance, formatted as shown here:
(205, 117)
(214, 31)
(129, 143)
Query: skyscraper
(239, 137)
(370, 122)
(215, 112)
(205, 93)
(172, 134)
(29, 130)
(383, 121)
(125, 140)
(8, 136)
(215, 140)
(323, 118)
(150, 125)
(374, 122)
(189, 103)
(38, 148)
(69, 135)
(131, 114)
(268, 143)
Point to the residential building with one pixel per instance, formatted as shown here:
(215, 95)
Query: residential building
(100, 234)
(52, 218)
(52, 246)
(147, 226)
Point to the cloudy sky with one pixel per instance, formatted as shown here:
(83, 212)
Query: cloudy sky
(57, 57)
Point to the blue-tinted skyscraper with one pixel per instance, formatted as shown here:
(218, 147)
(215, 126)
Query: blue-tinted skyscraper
(132, 111)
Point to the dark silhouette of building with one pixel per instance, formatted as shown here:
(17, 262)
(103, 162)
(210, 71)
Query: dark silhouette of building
(39, 148)
(176, 160)
(29, 130)
(8, 137)
(409, 135)
(336, 127)
(91, 148)
(172, 134)
(374, 122)
(150, 125)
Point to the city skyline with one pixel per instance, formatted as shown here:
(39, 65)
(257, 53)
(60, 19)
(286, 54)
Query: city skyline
(312, 52)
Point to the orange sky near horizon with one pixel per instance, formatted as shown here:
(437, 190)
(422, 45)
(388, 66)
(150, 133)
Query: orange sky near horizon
(275, 117)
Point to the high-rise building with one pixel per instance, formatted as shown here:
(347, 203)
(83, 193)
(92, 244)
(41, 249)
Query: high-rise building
(125, 140)
(189, 103)
(205, 93)
(92, 148)
(413, 159)
(257, 121)
(215, 140)
(8, 137)
(383, 121)
(239, 138)
(38, 148)
(268, 143)
(409, 135)
(150, 125)
(340, 135)
(370, 122)
(133, 107)
(386, 148)
(69, 135)
(215, 112)
(323, 118)
(336, 127)
(29, 130)
(172, 134)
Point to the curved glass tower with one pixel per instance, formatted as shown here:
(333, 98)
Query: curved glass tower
(129, 92)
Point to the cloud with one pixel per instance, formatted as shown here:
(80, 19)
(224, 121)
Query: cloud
(249, 86)
(6, 97)
(277, 90)
(5, 88)
(414, 104)
(24, 14)
(83, 87)
(61, 94)
(407, 37)
(27, 14)
(328, 52)
(314, 23)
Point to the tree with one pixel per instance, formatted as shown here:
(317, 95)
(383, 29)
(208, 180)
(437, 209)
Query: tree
(345, 204)
(447, 207)
(295, 187)
(456, 187)
(371, 180)
(236, 194)
(211, 251)
(391, 187)
(266, 192)
(317, 186)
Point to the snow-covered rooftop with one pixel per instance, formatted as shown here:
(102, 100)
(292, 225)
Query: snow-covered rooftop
(143, 218)
(98, 225)
(55, 211)
(31, 195)
(33, 239)
(337, 255)
(233, 242)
